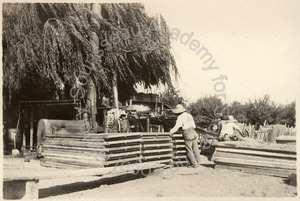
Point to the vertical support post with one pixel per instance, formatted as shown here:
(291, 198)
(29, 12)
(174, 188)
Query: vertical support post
(148, 124)
(80, 110)
(105, 121)
(115, 92)
(250, 132)
(24, 139)
(31, 128)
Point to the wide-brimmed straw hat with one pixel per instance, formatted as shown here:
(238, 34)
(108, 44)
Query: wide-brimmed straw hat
(179, 109)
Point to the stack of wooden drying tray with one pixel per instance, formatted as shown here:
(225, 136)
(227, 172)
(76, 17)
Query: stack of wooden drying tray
(65, 146)
(255, 157)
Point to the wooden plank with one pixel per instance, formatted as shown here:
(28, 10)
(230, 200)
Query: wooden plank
(261, 147)
(131, 147)
(113, 155)
(54, 173)
(257, 153)
(251, 157)
(178, 141)
(286, 139)
(157, 145)
(77, 162)
(72, 151)
(255, 163)
(91, 157)
(161, 161)
(58, 165)
(139, 134)
(72, 131)
(73, 143)
(179, 146)
(124, 142)
(158, 156)
(156, 140)
(260, 170)
(177, 135)
(94, 159)
(75, 139)
(79, 136)
(156, 151)
(119, 162)
(74, 148)
(180, 157)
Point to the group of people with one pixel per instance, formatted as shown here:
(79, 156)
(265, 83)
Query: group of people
(229, 131)
(186, 122)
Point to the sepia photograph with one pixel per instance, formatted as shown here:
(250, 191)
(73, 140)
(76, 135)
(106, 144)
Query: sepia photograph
(163, 100)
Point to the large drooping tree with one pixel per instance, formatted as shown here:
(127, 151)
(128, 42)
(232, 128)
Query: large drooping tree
(48, 46)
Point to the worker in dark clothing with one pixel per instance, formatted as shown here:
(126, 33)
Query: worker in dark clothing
(122, 124)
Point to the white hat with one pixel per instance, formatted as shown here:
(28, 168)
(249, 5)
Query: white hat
(231, 119)
(179, 109)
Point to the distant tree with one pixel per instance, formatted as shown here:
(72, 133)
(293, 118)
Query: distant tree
(237, 110)
(255, 112)
(287, 114)
(259, 110)
(172, 97)
(203, 109)
(263, 110)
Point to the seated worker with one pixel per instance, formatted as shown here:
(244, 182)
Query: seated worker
(122, 124)
(230, 130)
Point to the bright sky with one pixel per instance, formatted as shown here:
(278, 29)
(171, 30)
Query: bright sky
(255, 43)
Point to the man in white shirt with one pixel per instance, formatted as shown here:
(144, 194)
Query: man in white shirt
(186, 122)
(229, 127)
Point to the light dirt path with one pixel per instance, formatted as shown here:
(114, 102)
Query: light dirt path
(204, 182)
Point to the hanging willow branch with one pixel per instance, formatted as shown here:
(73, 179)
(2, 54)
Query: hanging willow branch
(50, 43)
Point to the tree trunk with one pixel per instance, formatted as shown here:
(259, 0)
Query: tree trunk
(115, 91)
(91, 90)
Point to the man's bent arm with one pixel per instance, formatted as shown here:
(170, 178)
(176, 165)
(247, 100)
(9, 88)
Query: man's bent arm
(176, 127)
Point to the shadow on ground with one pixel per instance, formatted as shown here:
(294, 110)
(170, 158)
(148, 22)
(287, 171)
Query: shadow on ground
(81, 186)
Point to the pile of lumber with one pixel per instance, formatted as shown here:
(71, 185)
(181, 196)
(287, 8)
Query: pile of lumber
(65, 146)
(131, 148)
(258, 158)
(73, 151)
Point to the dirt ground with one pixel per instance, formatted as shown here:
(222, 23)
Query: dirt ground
(164, 183)
(187, 182)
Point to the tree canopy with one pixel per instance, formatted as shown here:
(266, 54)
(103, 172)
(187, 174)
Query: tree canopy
(46, 45)
(254, 111)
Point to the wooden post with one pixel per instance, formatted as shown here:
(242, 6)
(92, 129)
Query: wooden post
(148, 124)
(24, 139)
(31, 128)
(105, 121)
(250, 132)
(115, 92)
